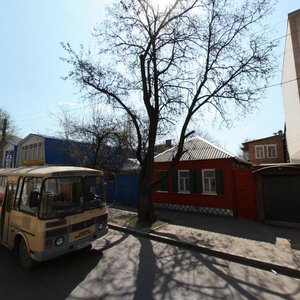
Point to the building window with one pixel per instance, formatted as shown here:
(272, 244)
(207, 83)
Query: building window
(40, 150)
(272, 151)
(259, 152)
(32, 151)
(163, 186)
(183, 181)
(209, 181)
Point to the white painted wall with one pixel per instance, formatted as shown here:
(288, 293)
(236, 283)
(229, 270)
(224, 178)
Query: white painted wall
(290, 87)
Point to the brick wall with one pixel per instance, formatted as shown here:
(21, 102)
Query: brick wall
(262, 144)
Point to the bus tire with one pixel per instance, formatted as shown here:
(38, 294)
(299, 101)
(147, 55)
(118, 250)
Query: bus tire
(26, 260)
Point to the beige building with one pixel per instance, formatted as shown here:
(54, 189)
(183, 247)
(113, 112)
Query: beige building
(291, 85)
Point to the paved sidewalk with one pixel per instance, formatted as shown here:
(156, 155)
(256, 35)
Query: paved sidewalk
(248, 241)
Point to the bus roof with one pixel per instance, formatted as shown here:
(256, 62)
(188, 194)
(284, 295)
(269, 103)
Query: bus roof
(50, 171)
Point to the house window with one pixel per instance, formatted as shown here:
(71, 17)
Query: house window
(183, 181)
(163, 186)
(259, 152)
(272, 151)
(209, 181)
(24, 153)
(32, 151)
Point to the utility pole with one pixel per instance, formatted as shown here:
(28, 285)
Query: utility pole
(3, 141)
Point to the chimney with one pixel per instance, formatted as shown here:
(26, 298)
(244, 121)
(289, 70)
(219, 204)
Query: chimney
(169, 143)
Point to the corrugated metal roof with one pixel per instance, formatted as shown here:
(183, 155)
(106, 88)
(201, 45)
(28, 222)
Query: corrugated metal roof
(49, 170)
(196, 148)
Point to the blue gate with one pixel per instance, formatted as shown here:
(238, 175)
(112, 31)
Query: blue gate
(126, 189)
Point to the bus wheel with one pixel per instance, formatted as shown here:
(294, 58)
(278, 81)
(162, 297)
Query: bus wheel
(24, 256)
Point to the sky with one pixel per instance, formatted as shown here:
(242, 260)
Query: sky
(32, 89)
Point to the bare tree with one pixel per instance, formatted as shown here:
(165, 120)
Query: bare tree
(7, 130)
(105, 137)
(159, 63)
(7, 125)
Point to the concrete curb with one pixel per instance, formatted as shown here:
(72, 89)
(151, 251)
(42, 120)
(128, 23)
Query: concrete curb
(263, 265)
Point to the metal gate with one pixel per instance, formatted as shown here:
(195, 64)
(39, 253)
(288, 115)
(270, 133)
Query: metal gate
(278, 193)
(282, 197)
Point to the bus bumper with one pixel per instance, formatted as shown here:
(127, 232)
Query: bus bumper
(56, 251)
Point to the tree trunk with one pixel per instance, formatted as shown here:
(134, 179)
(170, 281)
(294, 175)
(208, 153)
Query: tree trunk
(146, 213)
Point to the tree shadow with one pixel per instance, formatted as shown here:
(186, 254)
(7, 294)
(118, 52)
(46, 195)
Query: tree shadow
(173, 273)
(105, 279)
(138, 268)
(247, 282)
(183, 274)
(240, 228)
(147, 270)
(271, 243)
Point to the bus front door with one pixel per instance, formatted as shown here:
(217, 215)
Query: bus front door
(5, 212)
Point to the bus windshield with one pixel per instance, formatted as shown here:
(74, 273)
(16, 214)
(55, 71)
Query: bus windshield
(60, 197)
(70, 195)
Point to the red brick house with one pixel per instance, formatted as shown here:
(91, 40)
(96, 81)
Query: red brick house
(267, 150)
(207, 179)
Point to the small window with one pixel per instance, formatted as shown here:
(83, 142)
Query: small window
(183, 181)
(259, 152)
(272, 151)
(209, 181)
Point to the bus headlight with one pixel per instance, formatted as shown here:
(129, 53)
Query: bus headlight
(59, 241)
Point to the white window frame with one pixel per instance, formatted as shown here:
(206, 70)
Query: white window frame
(262, 151)
(186, 182)
(275, 147)
(210, 190)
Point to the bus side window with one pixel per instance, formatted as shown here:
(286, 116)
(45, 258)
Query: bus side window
(30, 184)
(3, 182)
(11, 193)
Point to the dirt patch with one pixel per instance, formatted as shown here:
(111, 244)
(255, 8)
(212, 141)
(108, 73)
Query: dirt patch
(130, 220)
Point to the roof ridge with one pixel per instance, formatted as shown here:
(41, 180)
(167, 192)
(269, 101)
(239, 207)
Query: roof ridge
(206, 151)
(216, 146)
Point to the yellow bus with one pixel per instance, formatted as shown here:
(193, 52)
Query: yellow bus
(46, 212)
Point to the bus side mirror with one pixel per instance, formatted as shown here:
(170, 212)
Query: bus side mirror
(33, 199)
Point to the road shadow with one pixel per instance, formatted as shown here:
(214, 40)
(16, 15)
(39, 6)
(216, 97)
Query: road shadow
(105, 280)
(246, 281)
(147, 269)
(141, 269)
(166, 272)
(53, 279)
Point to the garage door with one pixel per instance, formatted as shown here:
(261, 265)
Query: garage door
(282, 197)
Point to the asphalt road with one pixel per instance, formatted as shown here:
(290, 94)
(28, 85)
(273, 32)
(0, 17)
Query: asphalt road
(131, 267)
(53, 279)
